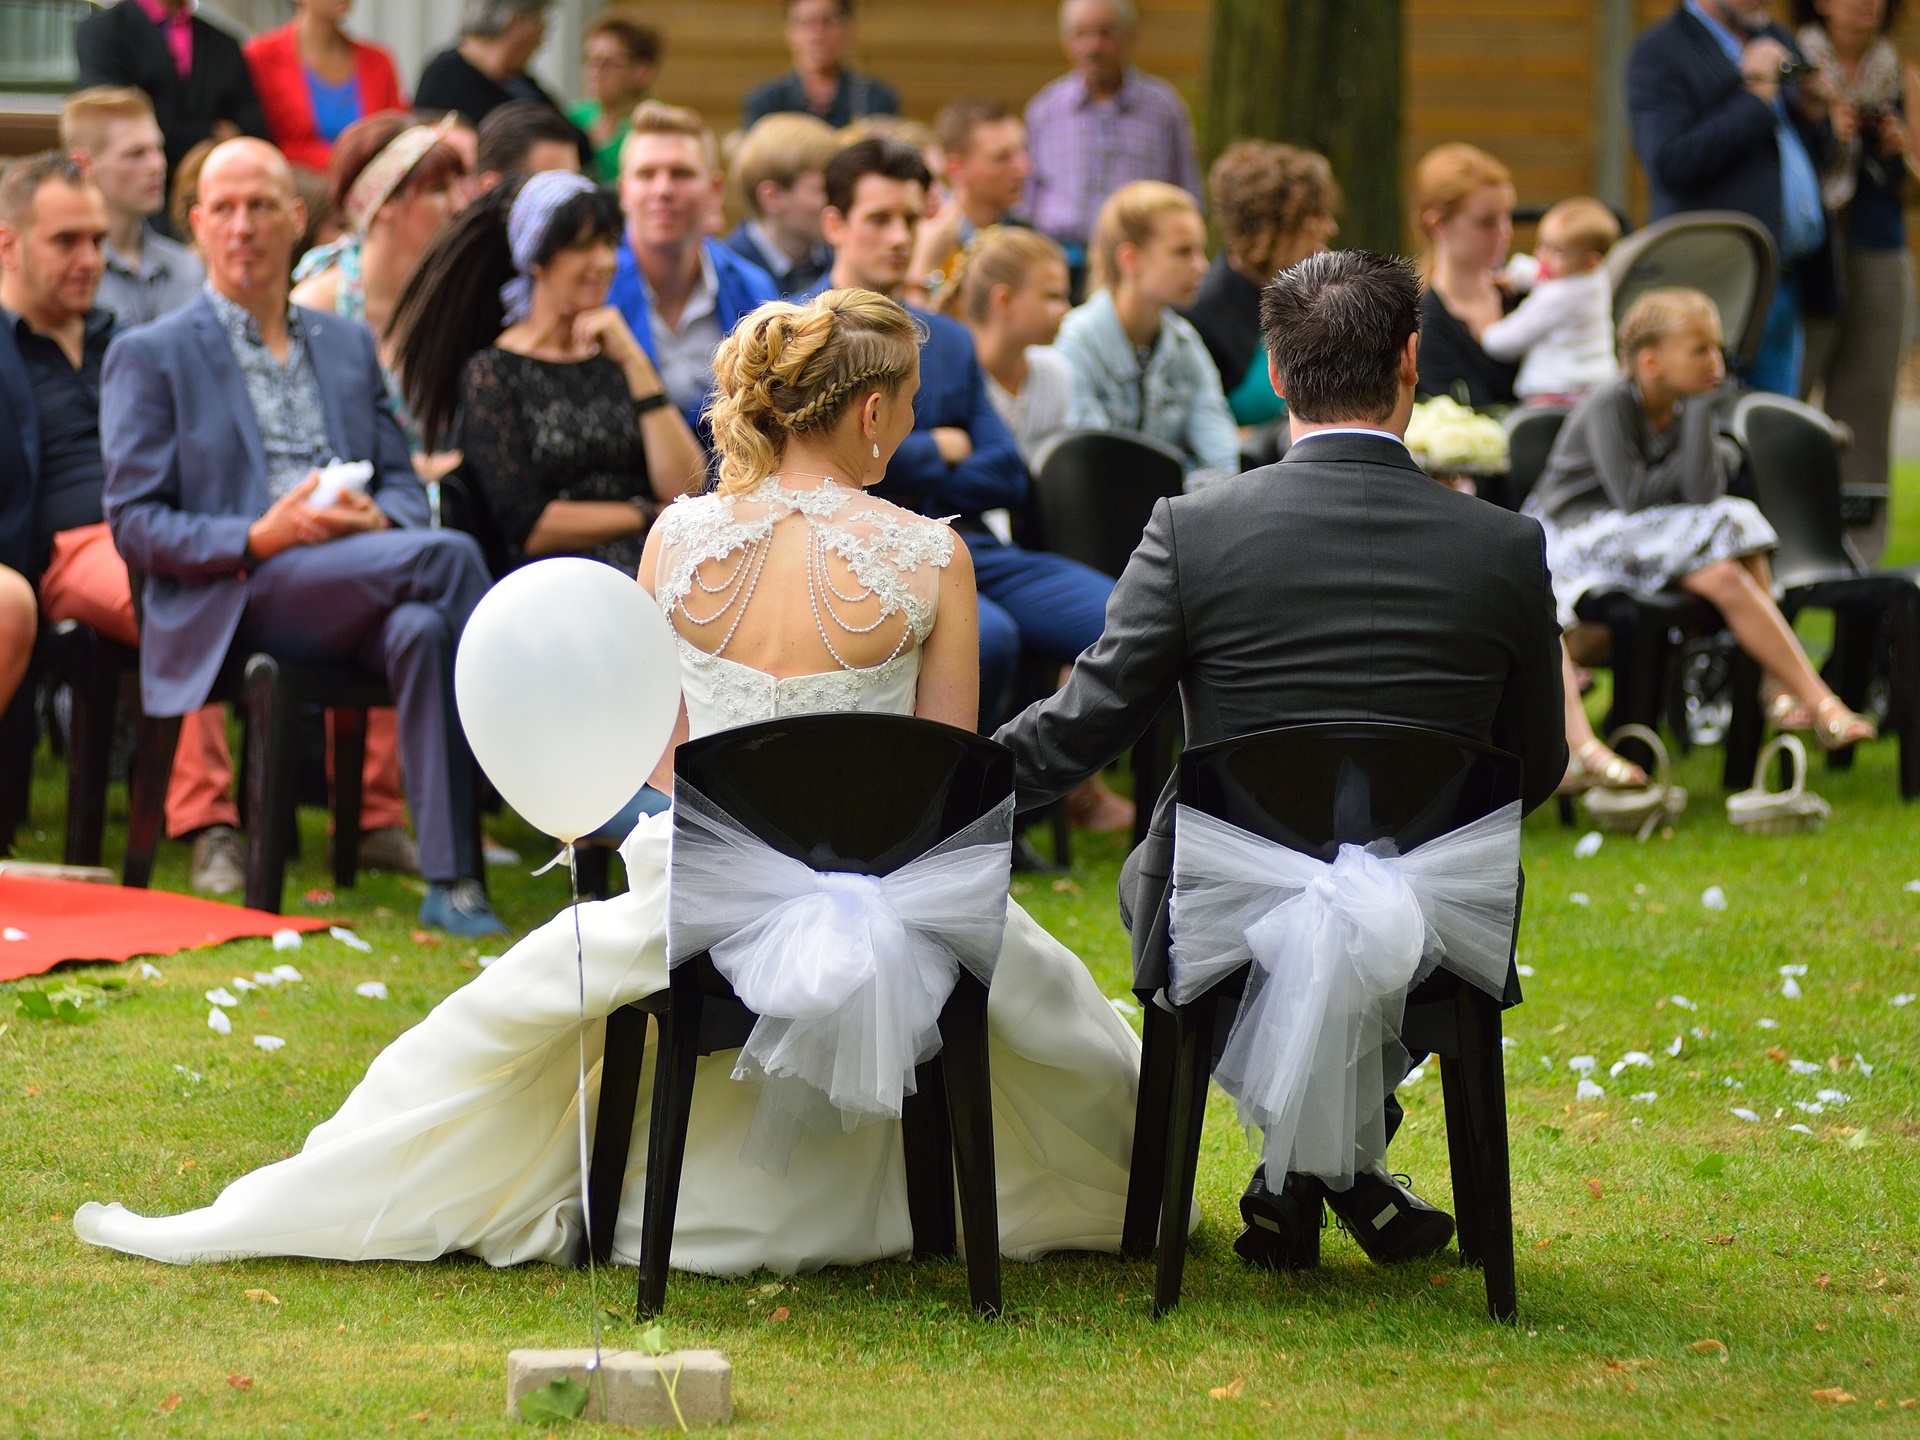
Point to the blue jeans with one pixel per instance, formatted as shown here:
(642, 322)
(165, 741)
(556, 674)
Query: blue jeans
(1776, 366)
(1035, 601)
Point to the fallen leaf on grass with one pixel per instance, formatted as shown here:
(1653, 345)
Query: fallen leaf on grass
(1712, 1165)
(170, 1404)
(424, 937)
(1436, 1280)
(1833, 1395)
(564, 1399)
(1721, 1240)
(1909, 1404)
(262, 1297)
(318, 897)
(781, 1314)
(1860, 1139)
(1230, 1391)
(1593, 1185)
(1709, 1347)
(1542, 1244)
(422, 1417)
(240, 1382)
(1776, 1054)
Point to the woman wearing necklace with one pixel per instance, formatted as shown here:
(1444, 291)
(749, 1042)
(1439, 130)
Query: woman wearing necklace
(314, 80)
(505, 337)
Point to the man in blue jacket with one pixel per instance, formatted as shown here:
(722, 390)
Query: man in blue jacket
(681, 291)
(1723, 121)
(961, 460)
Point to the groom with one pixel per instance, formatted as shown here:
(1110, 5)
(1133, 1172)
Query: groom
(1339, 584)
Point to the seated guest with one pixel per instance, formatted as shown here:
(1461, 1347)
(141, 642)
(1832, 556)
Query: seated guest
(618, 63)
(191, 70)
(1137, 365)
(212, 423)
(1339, 584)
(983, 150)
(1102, 126)
(522, 138)
(1634, 497)
(113, 135)
(1010, 290)
(960, 459)
(1562, 333)
(505, 332)
(314, 80)
(1274, 206)
(776, 173)
(820, 84)
(488, 68)
(680, 290)
(1463, 206)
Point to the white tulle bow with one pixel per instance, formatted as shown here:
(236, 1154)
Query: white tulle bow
(848, 973)
(1315, 1048)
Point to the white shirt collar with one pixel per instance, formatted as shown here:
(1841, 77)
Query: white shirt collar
(1355, 430)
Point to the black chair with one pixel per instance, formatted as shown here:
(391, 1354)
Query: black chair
(797, 784)
(1728, 255)
(1531, 431)
(95, 671)
(1314, 788)
(1793, 459)
(1093, 492)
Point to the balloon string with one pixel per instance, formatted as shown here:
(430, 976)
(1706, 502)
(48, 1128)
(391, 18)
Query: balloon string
(580, 1110)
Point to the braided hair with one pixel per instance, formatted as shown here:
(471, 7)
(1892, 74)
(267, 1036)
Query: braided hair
(796, 369)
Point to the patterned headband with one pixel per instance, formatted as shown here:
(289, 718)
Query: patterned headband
(533, 211)
(388, 171)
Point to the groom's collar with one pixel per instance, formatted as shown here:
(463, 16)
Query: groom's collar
(1353, 443)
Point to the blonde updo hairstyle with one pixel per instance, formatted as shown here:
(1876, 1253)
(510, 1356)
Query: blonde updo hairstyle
(791, 370)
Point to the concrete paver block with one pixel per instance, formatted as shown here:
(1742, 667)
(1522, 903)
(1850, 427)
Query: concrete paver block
(635, 1390)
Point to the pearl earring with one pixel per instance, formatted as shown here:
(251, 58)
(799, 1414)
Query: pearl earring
(876, 449)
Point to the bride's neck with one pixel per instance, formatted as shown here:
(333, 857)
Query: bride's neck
(806, 465)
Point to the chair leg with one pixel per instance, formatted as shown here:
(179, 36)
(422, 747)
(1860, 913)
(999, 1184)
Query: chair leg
(269, 783)
(963, 1051)
(1062, 824)
(1484, 1087)
(1159, 1045)
(1745, 729)
(19, 736)
(1639, 663)
(1467, 1203)
(1904, 710)
(620, 1063)
(1565, 808)
(349, 764)
(1153, 763)
(1849, 668)
(667, 1136)
(594, 865)
(158, 737)
(1193, 1065)
(94, 689)
(926, 1136)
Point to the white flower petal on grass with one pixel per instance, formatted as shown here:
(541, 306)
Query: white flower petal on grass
(1801, 1129)
(266, 977)
(1904, 998)
(1637, 1057)
(1804, 1067)
(1525, 972)
(1860, 1064)
(1645, 1097)
(1615, 1068)
(150, 972)
(1120, 1007)
(1912, 887)
(1507, 1042)
(1589, 1091)
(1699, 1032)
(1742, 1113)
(1577, 898)
(13, 932)
(1714, 898)
(486, 960)
(1583, 1064)
(1731, 1083)
(289, 974)
(286, 939)
(218, 1022)
(1589, 844)
(1811, 1107)
(371, 990)
(220, 995)
(1682, 1002)
(1675, 1047)
(350, 940)
(1768, 1024)
(243, 985)
(1793, 969)
(1790, 989)
(1832, 1097)
(268, 1042)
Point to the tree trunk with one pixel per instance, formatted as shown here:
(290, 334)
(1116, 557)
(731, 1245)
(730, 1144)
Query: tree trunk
(1323, 75)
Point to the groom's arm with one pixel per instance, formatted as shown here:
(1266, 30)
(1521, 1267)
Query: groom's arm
(1117, 687)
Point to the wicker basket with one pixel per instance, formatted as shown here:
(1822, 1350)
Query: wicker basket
(1795, 810)
(1644, 809)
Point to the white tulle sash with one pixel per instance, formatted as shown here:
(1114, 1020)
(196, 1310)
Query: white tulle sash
(1315, 1048)
(848, 973)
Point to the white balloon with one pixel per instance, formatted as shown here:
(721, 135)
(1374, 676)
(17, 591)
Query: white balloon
(568, 684)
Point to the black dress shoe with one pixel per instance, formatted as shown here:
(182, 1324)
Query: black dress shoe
(1283, 1230)
(1391, 1223)
(1029, 861)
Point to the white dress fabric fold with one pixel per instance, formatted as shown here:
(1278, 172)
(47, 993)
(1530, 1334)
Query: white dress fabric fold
(1314, 1049)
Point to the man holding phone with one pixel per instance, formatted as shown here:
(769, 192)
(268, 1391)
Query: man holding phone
(213, 423)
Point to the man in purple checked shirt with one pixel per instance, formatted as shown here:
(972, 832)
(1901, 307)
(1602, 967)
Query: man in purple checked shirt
(1101, 126)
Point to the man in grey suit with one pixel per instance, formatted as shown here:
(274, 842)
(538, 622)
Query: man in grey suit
(213, 421)
(1339, 584)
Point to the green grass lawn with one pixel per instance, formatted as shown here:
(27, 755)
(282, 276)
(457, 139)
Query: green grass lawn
(1645, 1227)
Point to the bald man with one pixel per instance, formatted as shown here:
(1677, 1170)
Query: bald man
(213, 423)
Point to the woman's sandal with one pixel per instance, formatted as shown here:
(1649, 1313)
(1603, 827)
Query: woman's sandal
(1594, 767)
(1835, 727)
(1786, 711)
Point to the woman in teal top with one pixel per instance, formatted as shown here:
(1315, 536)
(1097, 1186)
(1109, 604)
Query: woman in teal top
(618, 64)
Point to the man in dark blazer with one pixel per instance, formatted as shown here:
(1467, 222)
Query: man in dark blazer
(212, 422)
(192, 71)
(1339, 584)
(1721, 121)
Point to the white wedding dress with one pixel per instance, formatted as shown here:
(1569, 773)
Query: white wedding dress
(462, 1135)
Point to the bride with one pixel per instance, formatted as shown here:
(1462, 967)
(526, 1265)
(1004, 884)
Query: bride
(790, 591)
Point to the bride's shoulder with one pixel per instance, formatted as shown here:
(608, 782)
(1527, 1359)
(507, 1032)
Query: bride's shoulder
(908, 539)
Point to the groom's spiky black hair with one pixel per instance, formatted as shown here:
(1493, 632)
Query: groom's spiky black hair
(1336, 325)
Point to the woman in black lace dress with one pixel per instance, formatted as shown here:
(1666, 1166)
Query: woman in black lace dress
(563, 420)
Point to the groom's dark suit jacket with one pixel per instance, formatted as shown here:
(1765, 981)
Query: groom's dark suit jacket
(1339, 584)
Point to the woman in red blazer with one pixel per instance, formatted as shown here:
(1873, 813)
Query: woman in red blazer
(314, 80)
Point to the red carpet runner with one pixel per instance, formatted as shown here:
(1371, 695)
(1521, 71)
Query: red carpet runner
(43, 922)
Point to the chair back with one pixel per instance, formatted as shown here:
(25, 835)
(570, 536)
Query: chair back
(1729, 256)
(1793, 456)
(1531, 431)
(849, 792)
(1314, 788)
(1094, 491)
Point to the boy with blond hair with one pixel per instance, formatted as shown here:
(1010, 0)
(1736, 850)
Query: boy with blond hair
(1564, 328)
(776, 175)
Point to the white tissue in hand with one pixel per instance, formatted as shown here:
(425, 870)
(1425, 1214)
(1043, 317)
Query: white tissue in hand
(218, 1022)
(339, 478)
(371, 989)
